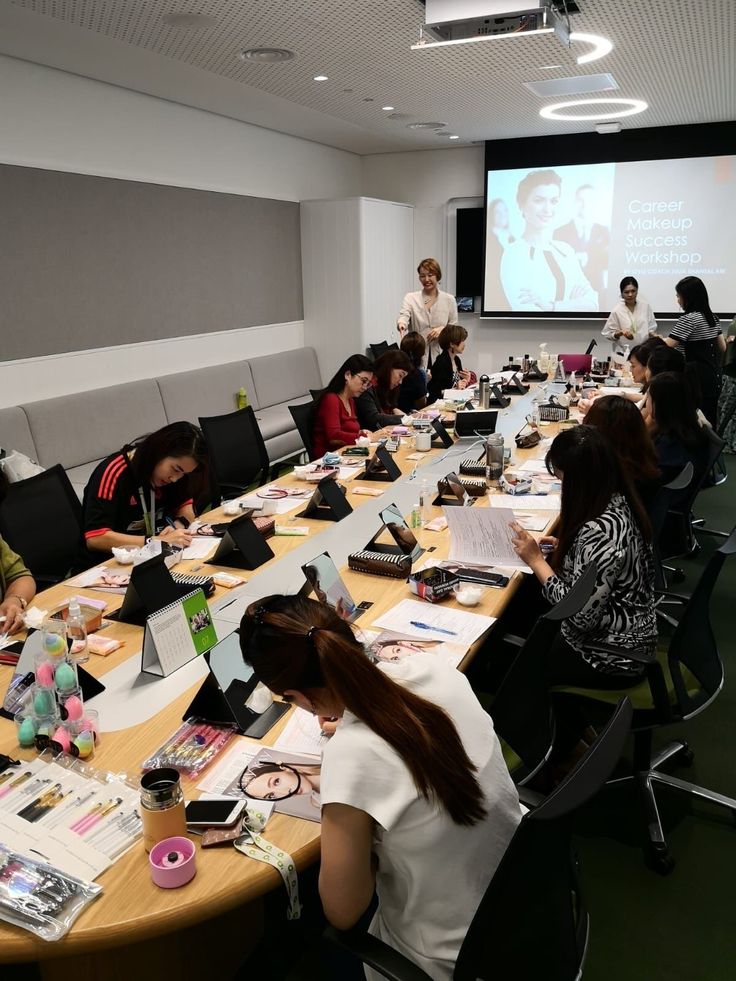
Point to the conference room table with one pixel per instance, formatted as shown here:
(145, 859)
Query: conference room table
(134, 927)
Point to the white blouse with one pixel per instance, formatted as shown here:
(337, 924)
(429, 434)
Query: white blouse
(432, 873)
(528, 278)
(416, 316)
(640, 321)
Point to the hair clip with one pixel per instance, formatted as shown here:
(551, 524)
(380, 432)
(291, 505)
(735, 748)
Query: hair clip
(258, 614)
(310, 634)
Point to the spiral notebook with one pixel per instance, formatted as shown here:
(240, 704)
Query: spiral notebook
(176, 634)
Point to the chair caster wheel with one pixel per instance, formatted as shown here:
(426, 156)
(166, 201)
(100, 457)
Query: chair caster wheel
(685, 756)
(660, 859)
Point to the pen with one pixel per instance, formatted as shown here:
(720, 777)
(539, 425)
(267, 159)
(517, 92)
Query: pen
(438, 630)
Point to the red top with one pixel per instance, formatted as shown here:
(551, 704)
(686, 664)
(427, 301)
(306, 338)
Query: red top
(334, 425)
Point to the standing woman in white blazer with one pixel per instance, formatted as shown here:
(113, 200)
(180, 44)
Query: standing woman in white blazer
(632, 319)
(429, 309)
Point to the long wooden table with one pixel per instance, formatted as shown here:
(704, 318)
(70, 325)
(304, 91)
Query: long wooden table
(134, 922)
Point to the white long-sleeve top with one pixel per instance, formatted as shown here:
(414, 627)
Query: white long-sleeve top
(524, 267)
(639, 321)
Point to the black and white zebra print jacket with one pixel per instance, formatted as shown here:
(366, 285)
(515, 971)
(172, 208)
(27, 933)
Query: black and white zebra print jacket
(620, 611)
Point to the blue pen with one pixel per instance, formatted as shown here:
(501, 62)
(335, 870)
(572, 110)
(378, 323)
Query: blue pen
(438, 630)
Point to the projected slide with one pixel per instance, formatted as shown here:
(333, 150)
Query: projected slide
(560, 239)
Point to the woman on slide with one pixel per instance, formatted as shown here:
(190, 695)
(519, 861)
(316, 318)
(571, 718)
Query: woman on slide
(539, 273)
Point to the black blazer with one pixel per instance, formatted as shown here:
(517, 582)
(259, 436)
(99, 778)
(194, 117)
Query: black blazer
(443, 373)
(369, 411)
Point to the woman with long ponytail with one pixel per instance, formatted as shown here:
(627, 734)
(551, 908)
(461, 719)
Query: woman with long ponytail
(417, 803)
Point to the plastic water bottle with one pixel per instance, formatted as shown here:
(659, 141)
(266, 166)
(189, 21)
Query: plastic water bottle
(425, 499)
(494, 457)
(242, 398)
(415, 519)
(76, 629)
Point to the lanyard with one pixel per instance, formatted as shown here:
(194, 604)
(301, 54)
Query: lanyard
(149, 517)
(252, 844)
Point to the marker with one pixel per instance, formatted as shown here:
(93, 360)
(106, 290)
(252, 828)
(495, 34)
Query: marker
(438, 630)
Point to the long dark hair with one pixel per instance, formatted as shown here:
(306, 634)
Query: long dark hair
(694, 297)
(674, 412)
(388, 397)
(622, 424)
(296, 643)
(591, 475)
(178, 439)
(627, 281)
(669, 359)
(354, 365)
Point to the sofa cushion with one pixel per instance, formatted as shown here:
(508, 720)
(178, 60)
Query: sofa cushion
(76, 429)
(282, 378)
(277, 419)
(15, 432)
(209, 391)
(285, 445)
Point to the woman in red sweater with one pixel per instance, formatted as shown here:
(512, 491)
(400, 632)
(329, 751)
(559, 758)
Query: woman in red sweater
(335, 421)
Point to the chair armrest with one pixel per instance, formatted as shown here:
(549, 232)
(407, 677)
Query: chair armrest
(513, 639)
(376, 954)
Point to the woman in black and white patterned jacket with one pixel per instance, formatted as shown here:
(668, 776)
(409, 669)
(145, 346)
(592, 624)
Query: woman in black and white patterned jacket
(601, 521)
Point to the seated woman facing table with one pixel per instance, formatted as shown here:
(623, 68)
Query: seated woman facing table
(447, 369)
(336, 419)
(147, 490)
(378, 405)
(17, 585)
(417, 802)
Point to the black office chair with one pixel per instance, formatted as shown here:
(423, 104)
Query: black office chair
(680, 683)
(678, 537)
(521, 711)
(303, 416)
(41, 520)
(315, 393)
(667, 497)
(238, 456)
(532, 922)
(381, 347)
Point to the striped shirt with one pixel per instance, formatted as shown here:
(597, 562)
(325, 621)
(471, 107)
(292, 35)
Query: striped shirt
(620, 611)
(693, 327)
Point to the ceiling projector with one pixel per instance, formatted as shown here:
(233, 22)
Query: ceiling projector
(462, 21)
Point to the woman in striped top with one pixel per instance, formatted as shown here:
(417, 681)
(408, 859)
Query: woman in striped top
(697, 335)
(601, 521)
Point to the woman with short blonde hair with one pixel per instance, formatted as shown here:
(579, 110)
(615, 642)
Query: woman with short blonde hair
(428, 310)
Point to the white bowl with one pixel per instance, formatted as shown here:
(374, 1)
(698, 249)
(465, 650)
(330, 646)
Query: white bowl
(125, 556)
(468, 595)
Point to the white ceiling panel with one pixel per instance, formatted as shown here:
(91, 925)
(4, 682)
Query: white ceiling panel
(677, 55)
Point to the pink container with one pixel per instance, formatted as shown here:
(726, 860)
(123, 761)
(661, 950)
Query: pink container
(172, 862)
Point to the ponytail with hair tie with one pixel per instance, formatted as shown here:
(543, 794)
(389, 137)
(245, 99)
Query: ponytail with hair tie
(299, 644)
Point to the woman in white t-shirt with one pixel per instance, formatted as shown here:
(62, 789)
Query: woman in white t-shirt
(417, 803)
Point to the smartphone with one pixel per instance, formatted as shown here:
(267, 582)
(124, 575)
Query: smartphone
(213, 813)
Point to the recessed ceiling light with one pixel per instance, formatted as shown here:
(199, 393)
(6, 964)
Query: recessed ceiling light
(453, 137)
(189, 22)
(320, 78)
(601, 46)
(387, 108)
(266, 56)
(634, 106)
(426, 125)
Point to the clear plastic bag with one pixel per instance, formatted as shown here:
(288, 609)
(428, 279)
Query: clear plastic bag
(193, 746)
(38, 897)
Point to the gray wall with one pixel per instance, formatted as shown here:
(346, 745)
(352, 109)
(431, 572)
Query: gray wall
(93, 262)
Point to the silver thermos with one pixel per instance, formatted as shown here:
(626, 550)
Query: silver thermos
(484, 391)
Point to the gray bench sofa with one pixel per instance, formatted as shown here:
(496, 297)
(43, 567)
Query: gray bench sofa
(80, 430)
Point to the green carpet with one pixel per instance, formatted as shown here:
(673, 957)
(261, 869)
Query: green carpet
(645, 927)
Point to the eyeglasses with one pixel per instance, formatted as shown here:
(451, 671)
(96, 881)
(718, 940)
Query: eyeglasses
(364, 381)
